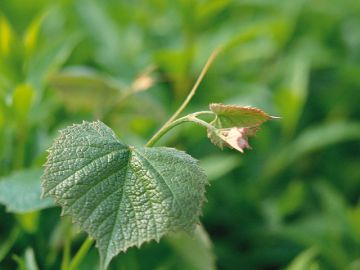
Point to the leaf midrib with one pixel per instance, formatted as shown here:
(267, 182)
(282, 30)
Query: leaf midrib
(118, 210)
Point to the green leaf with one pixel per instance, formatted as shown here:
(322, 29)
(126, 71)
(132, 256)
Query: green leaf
(22, 100)
(20, 192)
(195, 251)
(7, 244)
(6, 36)
(234, 124)
(312, 139)
(218, 165)
(304, 260)
(291, 96)
(84, 89)
(28, 261)
(49, 58)
(121, 195)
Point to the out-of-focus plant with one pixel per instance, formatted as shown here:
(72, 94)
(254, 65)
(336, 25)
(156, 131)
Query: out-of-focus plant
(291, 203)
(124, 196)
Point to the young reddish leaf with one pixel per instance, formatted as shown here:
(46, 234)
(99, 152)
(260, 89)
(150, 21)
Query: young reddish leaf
(234, 124)
(228, 116)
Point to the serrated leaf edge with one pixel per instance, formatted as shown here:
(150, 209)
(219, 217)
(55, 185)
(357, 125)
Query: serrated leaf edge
(219, 108)
(106, 261)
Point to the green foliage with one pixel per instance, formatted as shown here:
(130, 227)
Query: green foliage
(304, 261)
(194, 250)
(27, 262)
(63, 61)
(121, 195)
(20, 192)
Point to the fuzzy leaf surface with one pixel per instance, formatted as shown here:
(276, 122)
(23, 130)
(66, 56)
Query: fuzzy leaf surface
(121, 195)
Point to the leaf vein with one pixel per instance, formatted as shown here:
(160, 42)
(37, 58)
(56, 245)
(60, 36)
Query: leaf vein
(80, 169)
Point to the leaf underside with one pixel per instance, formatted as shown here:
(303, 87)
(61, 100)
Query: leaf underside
(232, 119)
(121, 195)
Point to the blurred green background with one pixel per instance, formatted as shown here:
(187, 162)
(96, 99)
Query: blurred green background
(290, 203)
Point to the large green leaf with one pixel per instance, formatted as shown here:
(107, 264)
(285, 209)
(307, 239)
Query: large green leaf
(20, 192)
(121, 195)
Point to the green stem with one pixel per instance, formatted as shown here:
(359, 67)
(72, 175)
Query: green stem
(193, 118)
(81, 254)
(8, 244)
(187, 118)
(66, 254)
(67, 243)
(188, 98)
(203, 113)
(196, 85)
(165, 128)
(125, 94)
(21, 135)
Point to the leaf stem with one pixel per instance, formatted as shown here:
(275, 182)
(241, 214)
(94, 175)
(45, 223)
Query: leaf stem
(165, 128)
(196, 85)
(188, 118)
(192, 92)
(203, 113)
(86, 245)
(66, 254)
(7, 244)
(67, 243)
(193, 118)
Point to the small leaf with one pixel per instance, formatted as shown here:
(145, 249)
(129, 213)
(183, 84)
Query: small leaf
(121, 195)
(234, 124)
(228, 116)
(20, 192)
